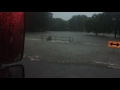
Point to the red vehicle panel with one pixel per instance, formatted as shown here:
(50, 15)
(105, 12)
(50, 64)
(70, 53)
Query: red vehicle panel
(11, 36)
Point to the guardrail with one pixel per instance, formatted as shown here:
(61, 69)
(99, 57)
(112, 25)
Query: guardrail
(56, 38)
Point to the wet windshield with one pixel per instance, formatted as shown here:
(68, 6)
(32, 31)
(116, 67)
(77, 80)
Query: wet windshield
(71, 44)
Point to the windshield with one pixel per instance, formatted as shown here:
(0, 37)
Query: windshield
(72, 45)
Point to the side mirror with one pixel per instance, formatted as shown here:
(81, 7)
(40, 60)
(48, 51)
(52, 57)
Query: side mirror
(12, 35)
(13, 71)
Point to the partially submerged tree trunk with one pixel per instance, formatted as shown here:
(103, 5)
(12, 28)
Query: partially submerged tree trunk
(115, 33)
(49, 38)
(104, 34)
(96, 33)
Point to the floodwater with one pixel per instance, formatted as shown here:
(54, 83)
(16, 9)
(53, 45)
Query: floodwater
(85, 48)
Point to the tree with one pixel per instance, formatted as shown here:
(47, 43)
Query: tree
(59, 24)
(92, 24)
(106, 22)
(112, 22)
(77, 23)
(88, 25)
(37, 21)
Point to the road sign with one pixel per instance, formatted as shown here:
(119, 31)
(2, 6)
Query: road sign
(114, 44)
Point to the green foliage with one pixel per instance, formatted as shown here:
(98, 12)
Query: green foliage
(106, 22)
(37, 21)
(77, 23)
(59, 24)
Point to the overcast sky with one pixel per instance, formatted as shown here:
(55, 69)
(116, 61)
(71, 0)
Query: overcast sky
(68, 15)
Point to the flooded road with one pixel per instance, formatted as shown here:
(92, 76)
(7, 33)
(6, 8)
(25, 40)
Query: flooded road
(86, 48)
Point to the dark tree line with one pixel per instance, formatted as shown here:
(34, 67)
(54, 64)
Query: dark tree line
(59, 24)
(77, 23)
(37, 21)
(106, 22)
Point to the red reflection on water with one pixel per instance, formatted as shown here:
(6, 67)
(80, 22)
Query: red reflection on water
(11, 35)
